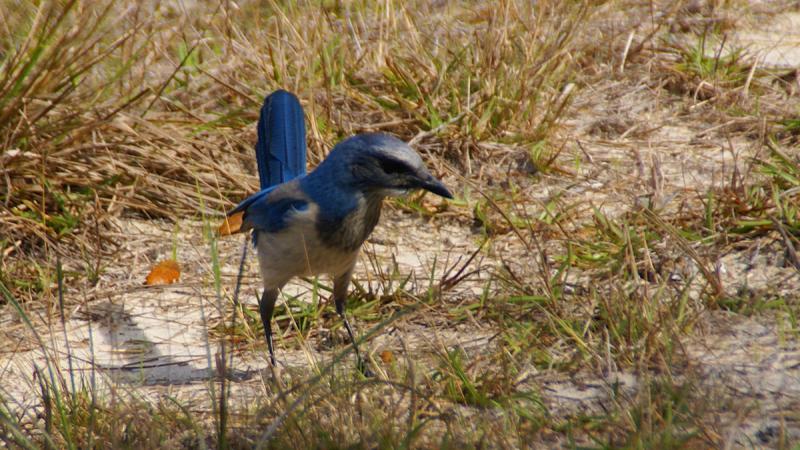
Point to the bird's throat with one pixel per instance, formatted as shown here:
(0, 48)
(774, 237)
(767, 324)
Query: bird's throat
(354, 228)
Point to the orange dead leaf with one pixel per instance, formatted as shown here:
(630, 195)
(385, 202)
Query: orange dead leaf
(165, 272)
(232, 224)
(387, 356)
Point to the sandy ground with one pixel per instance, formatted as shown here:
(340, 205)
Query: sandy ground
(155, 339)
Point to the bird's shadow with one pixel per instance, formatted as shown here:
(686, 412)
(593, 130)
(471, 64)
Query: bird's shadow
(125, 351)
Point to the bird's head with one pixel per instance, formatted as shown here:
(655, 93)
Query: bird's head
(384, 165)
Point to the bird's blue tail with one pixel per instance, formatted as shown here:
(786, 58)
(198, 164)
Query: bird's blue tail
(281, 145)
(280, 151)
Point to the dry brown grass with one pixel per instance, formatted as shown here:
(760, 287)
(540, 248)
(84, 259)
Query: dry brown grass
(151, 120)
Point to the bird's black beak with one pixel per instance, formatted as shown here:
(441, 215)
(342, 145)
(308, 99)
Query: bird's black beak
(431, 184)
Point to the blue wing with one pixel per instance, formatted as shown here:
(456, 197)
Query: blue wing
(281, 145)
(246, 203)
(262, 214)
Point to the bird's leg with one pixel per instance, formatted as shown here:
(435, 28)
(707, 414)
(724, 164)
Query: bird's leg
(340, 285)
(266, 306)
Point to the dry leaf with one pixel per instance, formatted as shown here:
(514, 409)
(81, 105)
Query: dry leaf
(165, 272)
(232, 224)
(387, 356)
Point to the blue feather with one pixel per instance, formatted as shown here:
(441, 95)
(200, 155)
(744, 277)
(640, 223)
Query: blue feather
(262, 214)
(335, 201)
(281, 145)
(246, 203)
(272, 216)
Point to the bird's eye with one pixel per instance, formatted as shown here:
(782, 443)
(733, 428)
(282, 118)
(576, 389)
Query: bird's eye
(393, 167)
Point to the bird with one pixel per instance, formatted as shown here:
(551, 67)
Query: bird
(315, 223)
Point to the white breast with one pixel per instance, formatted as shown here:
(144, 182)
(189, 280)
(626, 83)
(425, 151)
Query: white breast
(297, 251)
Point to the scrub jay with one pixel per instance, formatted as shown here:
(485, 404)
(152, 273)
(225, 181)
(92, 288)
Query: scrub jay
(315, 224)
